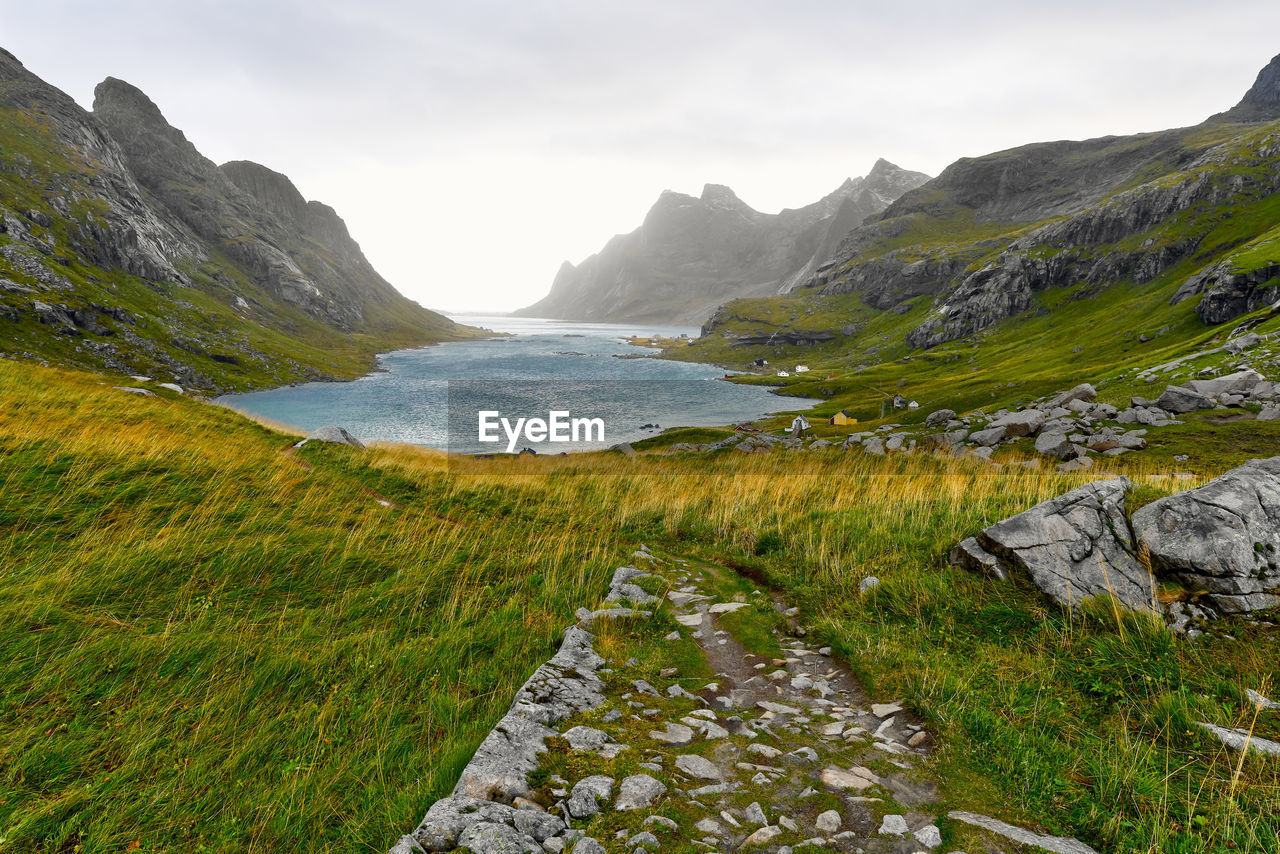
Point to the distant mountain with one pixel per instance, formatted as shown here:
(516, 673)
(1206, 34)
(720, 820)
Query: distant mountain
(123, 249)
(1191, 213)
(694, 253)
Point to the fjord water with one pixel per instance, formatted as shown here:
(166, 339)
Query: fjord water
(563, 365)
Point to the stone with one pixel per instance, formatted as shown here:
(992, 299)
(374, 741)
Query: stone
(893, 825)
(763, 836)
(587, 792)
(918, 739)
(1025, 423)
(1053, 844)
(1241, 739)
(697, 766)
(565, 685)
(884, 710)
(868, 583)
(589, 845)
(1223, 537)
(787, 823)
(777, 708)
(691, 620)
(490, 838)
(590, 740)
(727, 607)
(709, 825)
(1083, 393)
(755, 814)
(988, 437)
(334, 433)
(828, 822)
(1269, 413)
(939, 417)
(644, 839)
(929, 836)
(1076, 546)
(140, 392)
(856, 778)
(971, 556)
(1055, 445)
(637, 792)
(1238, 383)
(449, 817)
(538, 824)
(764, 750)
(1178, 400)
(661, 821)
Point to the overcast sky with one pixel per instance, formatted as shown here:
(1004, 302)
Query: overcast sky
(472, 146)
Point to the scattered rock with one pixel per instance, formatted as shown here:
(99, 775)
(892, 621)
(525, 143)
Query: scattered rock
(1054, 844)
(637, 792)
(856, 778)
(697, 766)
(335, 434)
(893, 825)
(1242, 739)
(828, 822)
(587, 792)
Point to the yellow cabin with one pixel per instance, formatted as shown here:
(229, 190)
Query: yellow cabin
(842, 419)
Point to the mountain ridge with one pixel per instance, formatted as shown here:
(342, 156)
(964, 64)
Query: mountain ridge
(124, 249)
(692, 253)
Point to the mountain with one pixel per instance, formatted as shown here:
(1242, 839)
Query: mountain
(1189, 215)
(123, 249)
(692, 254)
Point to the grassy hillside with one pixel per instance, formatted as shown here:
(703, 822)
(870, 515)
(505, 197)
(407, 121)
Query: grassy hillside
(210, 643)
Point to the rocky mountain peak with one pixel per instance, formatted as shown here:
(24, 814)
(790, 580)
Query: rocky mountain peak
(720, 196)
(273, 190)
(1262, 101)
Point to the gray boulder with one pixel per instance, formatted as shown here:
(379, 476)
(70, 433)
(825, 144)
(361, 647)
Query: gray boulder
(448, 817)
(1055, 445)
(1075, 546)
(337, 435)
(939, 417)
(1085, 393)
(587, 793)
(1241, 382)
(566, 684)
(588, 845)
(1025, 423)
(1223, 538)
(1178, 399)
(489, 838)
(1269, 413)
(987, 438)
(637, 792)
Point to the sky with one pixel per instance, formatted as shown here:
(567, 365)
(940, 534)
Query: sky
(473, 146)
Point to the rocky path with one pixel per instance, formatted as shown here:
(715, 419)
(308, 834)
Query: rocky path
(692, 715)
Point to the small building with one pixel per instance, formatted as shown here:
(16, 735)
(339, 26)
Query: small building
(783, 374)
(760, 363)
(899, 402)
(842, 419)
(913, 405)
(798, 425)
(800, 369)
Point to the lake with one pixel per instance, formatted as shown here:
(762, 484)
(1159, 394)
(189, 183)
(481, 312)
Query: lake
(431, 396)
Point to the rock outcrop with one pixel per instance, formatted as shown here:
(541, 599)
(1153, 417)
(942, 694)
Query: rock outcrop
(1219, 542)
(1223, 538)
(694, 253)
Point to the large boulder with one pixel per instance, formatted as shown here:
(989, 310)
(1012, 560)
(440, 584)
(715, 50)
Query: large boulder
(1241, 382)
(1084, 393)
(939, 417)
(1074, 547)
(1223, 538)
(1025, 423)
(334, 433)
(1179, 399)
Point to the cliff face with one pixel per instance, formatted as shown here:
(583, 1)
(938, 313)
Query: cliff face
(122, 248)
(693, 253)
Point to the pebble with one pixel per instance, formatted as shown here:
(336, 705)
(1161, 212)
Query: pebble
(828, 822)
(755, 814)
(929, 836)
(763, 836)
